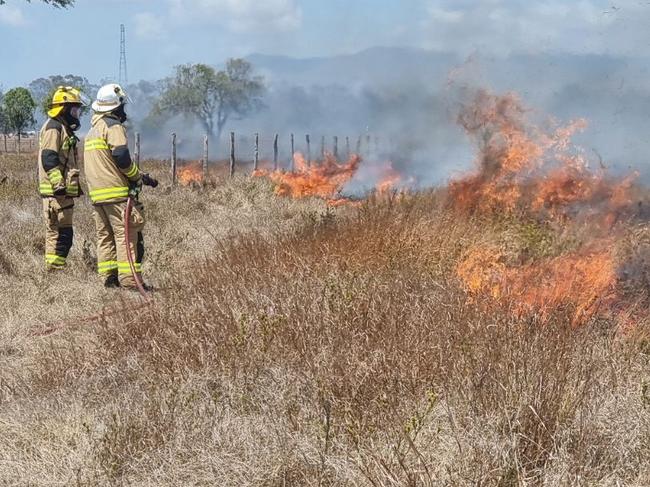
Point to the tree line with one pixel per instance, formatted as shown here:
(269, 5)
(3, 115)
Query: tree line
(198, 92)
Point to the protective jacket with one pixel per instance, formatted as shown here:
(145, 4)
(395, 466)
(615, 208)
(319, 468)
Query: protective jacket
(58, 184)
(108, 166)
(57, 160)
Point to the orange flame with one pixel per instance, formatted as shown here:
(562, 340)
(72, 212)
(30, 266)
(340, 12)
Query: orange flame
(525, 169)
(517, 160)
(325, 180)
(190, 173)
(584, 280)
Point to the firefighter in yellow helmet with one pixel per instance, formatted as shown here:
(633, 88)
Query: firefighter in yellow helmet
(112, 176)
(58, 172)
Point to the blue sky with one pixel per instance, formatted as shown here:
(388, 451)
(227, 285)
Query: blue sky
(38, 40)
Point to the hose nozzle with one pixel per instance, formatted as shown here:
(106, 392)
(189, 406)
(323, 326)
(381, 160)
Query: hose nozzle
(149, 181)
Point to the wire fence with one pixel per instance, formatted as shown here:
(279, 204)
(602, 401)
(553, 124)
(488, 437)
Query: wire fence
(11, 144)
(248, 152)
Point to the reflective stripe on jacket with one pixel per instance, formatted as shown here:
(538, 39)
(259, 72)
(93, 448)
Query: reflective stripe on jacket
(107, 162)
(57, 159)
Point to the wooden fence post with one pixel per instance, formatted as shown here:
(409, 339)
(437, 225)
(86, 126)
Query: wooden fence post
(173, 158)
(256, 160)
(206, 154)
(347, 148)
(322, 147)
(136, 149)
(275, 152)
(307, 139)
(18, 143)
(293, 153)
(368, 145)
(336, 147)
(232, 154)
(358, 149)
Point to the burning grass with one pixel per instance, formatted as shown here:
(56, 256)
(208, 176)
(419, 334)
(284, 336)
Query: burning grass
(326, 179)
(586, 281)
(533, 171)
(190, 173)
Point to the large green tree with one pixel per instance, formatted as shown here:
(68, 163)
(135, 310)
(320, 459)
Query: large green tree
(56, 3)
(211, 97)
(43, 88)
(18, 107)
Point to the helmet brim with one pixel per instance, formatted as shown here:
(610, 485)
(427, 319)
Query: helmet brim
(104, 108)
(55, 111)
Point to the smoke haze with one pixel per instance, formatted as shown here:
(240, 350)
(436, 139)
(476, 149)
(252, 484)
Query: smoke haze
(405, 102)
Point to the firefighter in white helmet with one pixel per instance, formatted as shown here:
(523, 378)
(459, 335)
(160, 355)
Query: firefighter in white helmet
(112, 176)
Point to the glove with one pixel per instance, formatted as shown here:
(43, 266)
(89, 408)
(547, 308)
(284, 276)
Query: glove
(134, 188)
(60, 191)
(149, 181)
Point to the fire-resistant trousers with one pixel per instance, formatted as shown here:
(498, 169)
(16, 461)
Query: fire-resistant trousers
(58, 231)
(111, 241)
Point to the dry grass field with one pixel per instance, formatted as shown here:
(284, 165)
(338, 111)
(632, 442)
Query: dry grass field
(290, 344)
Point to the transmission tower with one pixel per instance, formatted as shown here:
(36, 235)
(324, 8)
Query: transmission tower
(123, 78)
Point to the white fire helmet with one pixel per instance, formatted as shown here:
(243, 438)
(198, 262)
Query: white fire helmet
(109, 97)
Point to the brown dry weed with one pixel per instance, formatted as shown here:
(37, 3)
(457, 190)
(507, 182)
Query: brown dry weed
(291, 344)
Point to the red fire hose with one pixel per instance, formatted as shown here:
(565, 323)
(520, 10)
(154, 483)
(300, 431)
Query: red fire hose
(54, 327)
(129, 253)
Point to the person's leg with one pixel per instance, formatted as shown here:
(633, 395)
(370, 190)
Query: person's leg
(116, 217)
(106, 249)
(59, 232)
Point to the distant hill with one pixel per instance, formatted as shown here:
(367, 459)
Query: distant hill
(390, 66)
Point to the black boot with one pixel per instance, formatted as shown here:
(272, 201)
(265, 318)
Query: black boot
(112, 281)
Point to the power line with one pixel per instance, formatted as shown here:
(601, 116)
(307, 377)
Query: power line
(123, 78)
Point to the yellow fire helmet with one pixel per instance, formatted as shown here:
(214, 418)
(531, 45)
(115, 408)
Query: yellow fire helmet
(65, 95)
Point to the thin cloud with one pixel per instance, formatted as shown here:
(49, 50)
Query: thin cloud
(13, 16)
(240, 15)
(439, 14)
(148, 25)
(513, 26)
